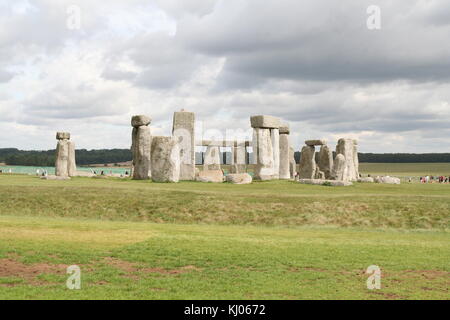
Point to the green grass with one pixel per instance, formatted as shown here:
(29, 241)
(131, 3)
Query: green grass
(275, 203)
(406, 169)
(268, 240)
(124, 260)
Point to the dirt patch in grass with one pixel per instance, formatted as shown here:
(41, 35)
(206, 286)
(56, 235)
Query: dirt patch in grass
(11, 268)
(134, 270)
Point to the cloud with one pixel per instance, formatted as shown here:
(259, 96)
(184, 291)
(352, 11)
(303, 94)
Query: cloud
(313, 63)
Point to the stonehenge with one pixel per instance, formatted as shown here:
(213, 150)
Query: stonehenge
(344, 167)
(165, 159)
(184, 129)
(65, 164)
(266, 147)
(141, 147)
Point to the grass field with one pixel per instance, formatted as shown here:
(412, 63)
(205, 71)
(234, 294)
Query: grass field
(268, 240)
(406, 169)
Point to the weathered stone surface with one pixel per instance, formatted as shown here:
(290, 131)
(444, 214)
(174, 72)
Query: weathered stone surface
(267, 122)
(214, 176)
(263, 154)
(212, 158)
(292, 163)
(356, 157)
(339, 168)
(325, 162)
(71, 162)
(285, 159)
(387, 180)
(319, 174)
(307, 163)
(284, 129)
(366, 180)
(240, 178)
(275, 137)
(347, 148)
(165, 159)
(140, 120)
(62, 136)
(62, 158)
(141, 150)
(320, 182)
(84, 174)
(315, 142)
(184, 130)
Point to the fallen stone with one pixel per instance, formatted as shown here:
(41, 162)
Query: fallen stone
(387, 180)
(239, 178)
(267, 122)
(140, 120)
(214, 176)
(84, 174)
(331, 183)
(315, 142)
(366, 180)
(165, 159)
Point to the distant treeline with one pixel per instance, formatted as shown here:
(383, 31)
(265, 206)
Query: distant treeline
(13, 156)
(47, 158)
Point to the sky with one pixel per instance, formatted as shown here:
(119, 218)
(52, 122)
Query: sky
(377, 71)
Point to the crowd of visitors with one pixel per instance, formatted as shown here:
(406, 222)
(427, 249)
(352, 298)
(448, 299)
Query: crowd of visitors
(433, 179)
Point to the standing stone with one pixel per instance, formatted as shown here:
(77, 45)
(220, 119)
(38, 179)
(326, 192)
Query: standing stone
(275, 137)
(141, 147)
(165, 159)
(292, 163)
(325, 162)
(212, 158)
(355, 157)
(346, 147)
(238, 158)
(263, 151)
(62, 158)
(266, 147)
(71, 166)
(65, 164)
(184, 131)
(307, 163)
(339, 168)
(285, 161)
